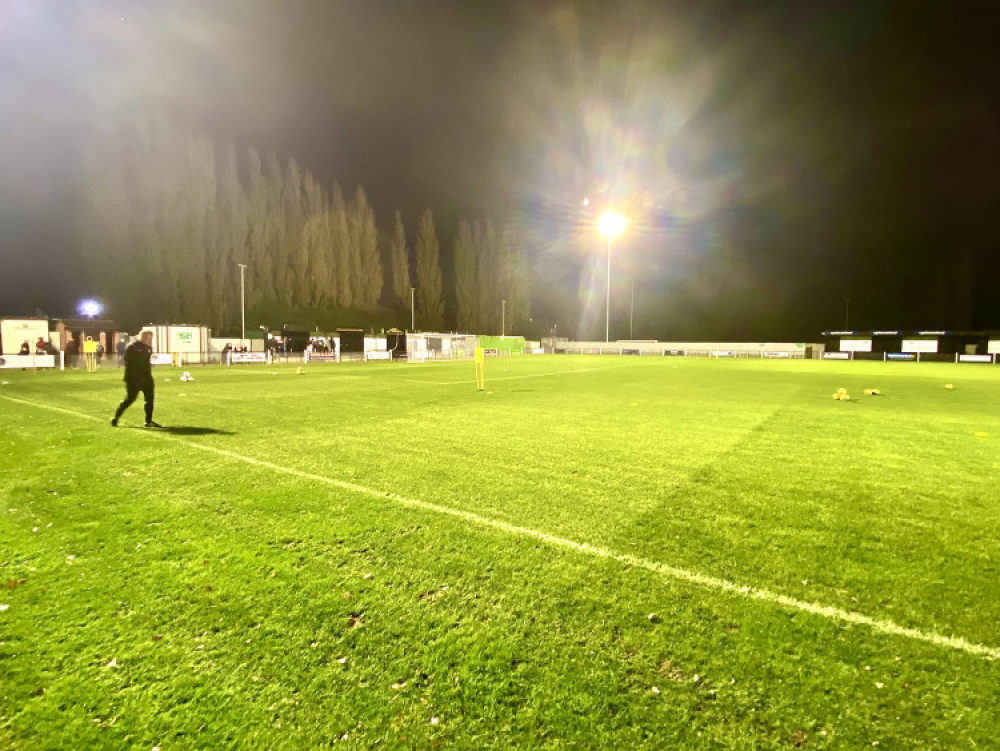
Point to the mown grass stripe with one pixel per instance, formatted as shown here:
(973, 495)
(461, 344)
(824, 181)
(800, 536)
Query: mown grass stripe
(671, 572)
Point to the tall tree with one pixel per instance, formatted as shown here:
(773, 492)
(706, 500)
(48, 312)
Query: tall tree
(342, 250)
(196, 203)
(430, 303)
(400, 264)
(318, 236)
(365, 238)
(489, 274)
(466, 281)
(307, 250)
(228, 245)
(260, 215)
(169, 215)
(287, 185)
(514, 277)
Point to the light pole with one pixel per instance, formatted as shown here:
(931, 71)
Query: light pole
(243, 306)
(413, 312)
(631, 308)
(503, 318)
(610, 224)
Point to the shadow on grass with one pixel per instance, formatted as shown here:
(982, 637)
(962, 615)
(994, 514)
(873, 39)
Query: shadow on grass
(192, 430)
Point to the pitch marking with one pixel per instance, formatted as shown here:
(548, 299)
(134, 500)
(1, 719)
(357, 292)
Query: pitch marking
(671, 572)
(513, 378)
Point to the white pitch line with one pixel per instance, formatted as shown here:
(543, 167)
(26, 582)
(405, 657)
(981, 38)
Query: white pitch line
(705, 581)
(514, 378)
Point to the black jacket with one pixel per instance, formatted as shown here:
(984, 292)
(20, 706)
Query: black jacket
(137, 366)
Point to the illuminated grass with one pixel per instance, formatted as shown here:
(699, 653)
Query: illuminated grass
(187, 599)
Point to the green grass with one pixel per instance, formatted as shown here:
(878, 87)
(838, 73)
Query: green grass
(164, 590)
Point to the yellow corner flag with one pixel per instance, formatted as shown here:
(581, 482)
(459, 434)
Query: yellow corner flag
(480, 369)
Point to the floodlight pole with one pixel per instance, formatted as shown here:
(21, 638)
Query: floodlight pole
(413, 312)
(631, 307)
(243, 306)
(503, 318)
(607, 300)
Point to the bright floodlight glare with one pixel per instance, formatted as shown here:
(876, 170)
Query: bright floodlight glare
(611, 223)
(89, 308)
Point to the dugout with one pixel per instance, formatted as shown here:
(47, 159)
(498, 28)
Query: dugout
(924, 345)
(352, 344)
(295, 338)
(395, 342)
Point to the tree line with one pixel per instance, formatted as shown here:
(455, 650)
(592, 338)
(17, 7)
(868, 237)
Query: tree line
(169, 215)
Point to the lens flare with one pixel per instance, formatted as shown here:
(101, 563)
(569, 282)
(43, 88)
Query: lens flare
(89, 308)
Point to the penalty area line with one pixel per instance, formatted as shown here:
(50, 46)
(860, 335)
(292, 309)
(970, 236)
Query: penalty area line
(703, 581)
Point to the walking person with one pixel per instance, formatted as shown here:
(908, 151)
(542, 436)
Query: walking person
(138, 377)
(71, 351)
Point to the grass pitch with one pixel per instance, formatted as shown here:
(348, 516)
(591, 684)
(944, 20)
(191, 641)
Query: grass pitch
(595, 553)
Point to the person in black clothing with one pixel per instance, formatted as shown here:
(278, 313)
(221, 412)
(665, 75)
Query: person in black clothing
(71, 352)
(138, 377)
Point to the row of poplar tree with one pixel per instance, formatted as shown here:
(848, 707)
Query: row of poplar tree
(169, 215)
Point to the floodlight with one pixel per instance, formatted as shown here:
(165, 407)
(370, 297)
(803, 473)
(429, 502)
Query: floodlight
(611, 223)
(89, 308)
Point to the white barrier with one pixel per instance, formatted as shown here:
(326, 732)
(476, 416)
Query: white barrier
(28, 361)
(238, 357)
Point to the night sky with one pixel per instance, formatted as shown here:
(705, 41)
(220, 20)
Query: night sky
(775, 160)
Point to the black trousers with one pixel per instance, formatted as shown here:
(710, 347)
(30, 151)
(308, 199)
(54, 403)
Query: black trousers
(132, 389)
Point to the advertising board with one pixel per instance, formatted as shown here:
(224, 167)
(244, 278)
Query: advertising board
(855, 345)
(919, 345)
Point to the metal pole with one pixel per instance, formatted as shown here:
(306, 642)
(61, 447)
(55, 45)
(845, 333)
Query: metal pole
(243, 307)
(503, 318)
(413, 312)
(631, 308)
(607, 301)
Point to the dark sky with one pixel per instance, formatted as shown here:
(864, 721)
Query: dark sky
(775, 160)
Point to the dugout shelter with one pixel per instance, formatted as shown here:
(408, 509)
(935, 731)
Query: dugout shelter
(930, 345)
(352, 344)
(294, 337)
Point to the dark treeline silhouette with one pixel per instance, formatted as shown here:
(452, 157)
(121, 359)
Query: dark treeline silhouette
(169, 215)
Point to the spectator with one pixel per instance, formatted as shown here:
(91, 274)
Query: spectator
(71, 351)
(25, 348)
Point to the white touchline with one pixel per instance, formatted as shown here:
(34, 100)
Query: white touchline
(516, 377)
(671, 572)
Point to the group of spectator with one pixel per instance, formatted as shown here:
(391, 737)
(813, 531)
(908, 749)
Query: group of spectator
(42, 347)
(321, 345)
(71, 351)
